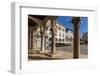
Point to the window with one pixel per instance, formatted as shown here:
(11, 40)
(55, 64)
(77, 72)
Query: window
(56, 39)
(63, 40)
(63, 35)
(60, 39)
(60, 34)
(63, 29)
(59, 28)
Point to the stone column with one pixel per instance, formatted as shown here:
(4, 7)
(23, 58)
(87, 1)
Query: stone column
(76, 41)
(42, 40)
(76, 22)
(53, 23)
(33, 40)
(29, 40)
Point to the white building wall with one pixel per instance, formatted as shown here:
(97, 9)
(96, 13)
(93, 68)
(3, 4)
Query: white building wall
(69, 36)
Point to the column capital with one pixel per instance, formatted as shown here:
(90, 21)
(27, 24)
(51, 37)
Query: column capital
(76, 20)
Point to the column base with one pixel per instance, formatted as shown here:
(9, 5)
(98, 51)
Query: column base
(76, 57)
(50, 54)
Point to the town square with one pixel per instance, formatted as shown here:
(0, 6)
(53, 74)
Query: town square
(57, 37)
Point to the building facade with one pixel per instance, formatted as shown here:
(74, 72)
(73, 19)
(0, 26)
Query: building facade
(85, 37)
(63, 36)
(69, 37)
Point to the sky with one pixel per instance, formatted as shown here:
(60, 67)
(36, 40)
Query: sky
(66, 21)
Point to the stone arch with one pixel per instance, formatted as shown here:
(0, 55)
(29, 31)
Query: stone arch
(35, 20)
(31, 38)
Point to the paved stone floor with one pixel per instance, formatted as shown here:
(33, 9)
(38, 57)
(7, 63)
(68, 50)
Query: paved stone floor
(61, 53)
(83, 49)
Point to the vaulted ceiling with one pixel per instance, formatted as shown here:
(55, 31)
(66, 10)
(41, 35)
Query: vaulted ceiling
(40, 17)
(37, 19)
